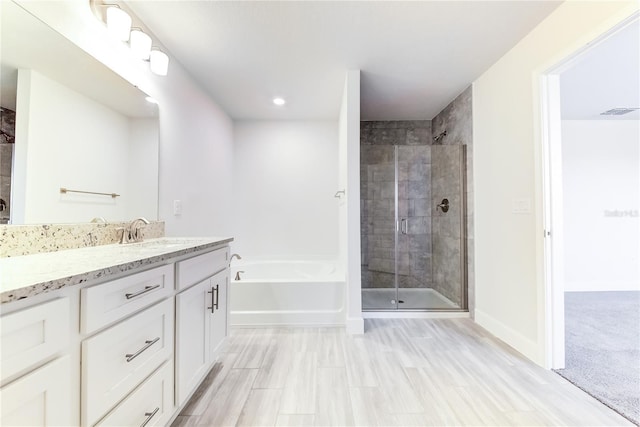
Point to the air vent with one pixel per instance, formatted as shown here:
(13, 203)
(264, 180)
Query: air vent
(618, 111)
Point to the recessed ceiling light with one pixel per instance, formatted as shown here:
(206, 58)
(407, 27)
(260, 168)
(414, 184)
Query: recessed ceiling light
(151, 100)
(279, 101)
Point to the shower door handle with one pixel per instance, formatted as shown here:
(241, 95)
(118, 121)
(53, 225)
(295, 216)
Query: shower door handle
(403, 226)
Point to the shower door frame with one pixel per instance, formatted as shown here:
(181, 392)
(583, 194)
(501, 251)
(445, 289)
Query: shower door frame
(396, 227)
(463, 304)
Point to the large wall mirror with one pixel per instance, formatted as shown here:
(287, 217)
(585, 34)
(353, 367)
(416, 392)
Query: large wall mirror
(70, 122)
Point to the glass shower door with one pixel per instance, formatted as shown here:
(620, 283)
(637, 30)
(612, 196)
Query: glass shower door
(413, 165)
(412, 227)
(448, 289)
(378, 230)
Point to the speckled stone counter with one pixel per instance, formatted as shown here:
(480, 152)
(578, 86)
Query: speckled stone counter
(30, 239)
(29, 275)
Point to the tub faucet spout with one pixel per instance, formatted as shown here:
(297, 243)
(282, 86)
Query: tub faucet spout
(238, 275)
(234, 256)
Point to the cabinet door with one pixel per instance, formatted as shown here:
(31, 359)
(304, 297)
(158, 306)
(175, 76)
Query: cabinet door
(30, 336)
(218, 318)
(40, 398)
(192, 338)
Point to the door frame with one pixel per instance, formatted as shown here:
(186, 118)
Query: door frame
(551, 139)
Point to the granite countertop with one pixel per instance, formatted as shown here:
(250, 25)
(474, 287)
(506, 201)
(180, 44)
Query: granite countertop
(29, 275)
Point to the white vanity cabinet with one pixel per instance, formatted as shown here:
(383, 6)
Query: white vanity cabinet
(116, 351)
(34, 347)
(201, 318)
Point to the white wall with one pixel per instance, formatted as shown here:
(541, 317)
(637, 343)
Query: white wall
(285, 174)
(601, 178)
(48, 147)
(349, 173)
(510, 293)
(196, 135)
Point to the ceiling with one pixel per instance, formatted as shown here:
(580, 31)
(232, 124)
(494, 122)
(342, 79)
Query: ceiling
(415, 57)
(604, 77)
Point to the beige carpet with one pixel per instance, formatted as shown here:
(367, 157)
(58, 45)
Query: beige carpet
(602, 335)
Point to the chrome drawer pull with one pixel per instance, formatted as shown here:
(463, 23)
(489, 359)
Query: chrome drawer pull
(148, 343)
(149, 415)
(144, 291)
(215, 304)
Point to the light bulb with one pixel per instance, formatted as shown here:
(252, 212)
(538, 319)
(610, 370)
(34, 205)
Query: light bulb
(118, 23)
(140, 44)
(279, 101)
(158, 62)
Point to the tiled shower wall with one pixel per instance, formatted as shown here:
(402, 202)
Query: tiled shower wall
(447, 182)
(457, 120)
(377, 141)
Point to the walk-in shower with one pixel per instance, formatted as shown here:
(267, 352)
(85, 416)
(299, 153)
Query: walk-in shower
(412, 225)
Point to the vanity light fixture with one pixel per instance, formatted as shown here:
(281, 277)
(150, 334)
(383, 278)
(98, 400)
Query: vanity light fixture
(140, 44)
(158, 62)
(118, 23)
(279, 101)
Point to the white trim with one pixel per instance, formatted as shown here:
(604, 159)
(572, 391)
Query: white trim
(524, 345)
(415, 314)
(551, 120)
(287, 325)
(602, 286)
(549, 166)
(246, 318)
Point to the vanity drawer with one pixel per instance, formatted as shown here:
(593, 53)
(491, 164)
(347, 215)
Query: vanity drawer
(32, 335)
(152, 401)
(40, 398)
(108, 302)
(198, 268)
(116, 360)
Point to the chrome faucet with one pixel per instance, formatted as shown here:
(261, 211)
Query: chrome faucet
(133, 232)
(238, 274)
(234, 256)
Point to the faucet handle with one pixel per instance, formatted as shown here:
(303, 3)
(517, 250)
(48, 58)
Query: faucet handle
(125, 235)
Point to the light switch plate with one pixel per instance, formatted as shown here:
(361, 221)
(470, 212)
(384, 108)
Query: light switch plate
(521, 206)
(177, 207)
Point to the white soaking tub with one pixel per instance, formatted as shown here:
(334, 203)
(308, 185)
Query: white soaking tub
(287, 293)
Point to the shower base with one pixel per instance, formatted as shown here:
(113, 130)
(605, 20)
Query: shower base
(414, 299)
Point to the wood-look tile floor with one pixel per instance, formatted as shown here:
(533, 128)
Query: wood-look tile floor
(401, 372)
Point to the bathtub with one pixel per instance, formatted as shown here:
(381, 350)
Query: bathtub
(287, 293)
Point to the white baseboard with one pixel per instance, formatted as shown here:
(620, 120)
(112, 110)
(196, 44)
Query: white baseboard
(601, 286)
(355, 325)
(513, 338)
(301, 318)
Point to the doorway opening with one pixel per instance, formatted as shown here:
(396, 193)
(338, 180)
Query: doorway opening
(591, 129)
